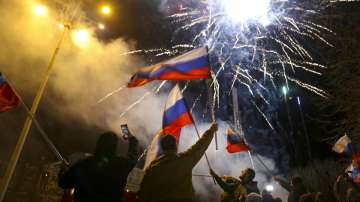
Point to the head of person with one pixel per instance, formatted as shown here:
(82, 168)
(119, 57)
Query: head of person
(296, 181)
(253, 197)
(247, 175)
(106, 144)
(308, 197)
(168, 144)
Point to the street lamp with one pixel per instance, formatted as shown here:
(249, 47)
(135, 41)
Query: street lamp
(40, 10)
(81, 38)
(105, 9)
(101, 26)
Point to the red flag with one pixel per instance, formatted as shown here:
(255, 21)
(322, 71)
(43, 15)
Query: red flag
(235, 142)
(8, 98)
(356, 157)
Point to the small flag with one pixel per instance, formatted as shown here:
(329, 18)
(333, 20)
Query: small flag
(354, 173)
(235, 142)
(8, 98)
(343, 145)
(176, 114)
(189, 66)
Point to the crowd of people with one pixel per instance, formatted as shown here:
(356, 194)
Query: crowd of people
(102, 177)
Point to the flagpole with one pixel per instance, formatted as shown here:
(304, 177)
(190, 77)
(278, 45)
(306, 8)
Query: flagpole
(25, 131)
(237, 121)
(197, 133)
(212, 101)
(264, 165)
(38, 126)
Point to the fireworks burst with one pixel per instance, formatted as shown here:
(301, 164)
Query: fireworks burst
(254, 43)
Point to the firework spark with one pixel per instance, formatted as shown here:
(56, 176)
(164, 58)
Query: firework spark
(248, 38)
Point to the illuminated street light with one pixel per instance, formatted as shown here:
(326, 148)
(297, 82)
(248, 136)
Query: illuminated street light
(105, 9)
(81, 38)
(40, 10)
(101, 26)
(284, 90)
(61, 26)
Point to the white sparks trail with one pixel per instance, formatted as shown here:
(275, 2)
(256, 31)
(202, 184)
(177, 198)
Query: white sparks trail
(110, 94)
(155, 90)
(271, 43)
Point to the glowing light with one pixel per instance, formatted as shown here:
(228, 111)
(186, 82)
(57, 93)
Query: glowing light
(81, 38)
(40, 10)
(105, 9)
(61, 26)
(101, 26)
(284, 90)
(269, 188)
(243, 10)
(298, 100)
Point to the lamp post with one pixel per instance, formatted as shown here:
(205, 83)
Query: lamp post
(39, 10)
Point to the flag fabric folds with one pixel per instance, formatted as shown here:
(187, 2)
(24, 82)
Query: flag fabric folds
(8, 98)
(176, 114)
(235, 143)
(354, 172)
(189, 66)
(343, 145)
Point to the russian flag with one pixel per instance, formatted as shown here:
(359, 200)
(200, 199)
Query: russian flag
(189, 66)
(344, 145)
(235, 143)
(354, 173)
(8, 98)
(176, 114)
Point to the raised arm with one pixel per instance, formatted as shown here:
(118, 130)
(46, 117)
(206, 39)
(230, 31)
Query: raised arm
(284, 183)
(227, 187)
(195, 153)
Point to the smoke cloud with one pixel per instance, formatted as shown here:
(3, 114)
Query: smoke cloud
(82, 75)
(224, 163)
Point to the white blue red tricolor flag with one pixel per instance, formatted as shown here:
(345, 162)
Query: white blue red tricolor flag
(192, 65)
(344, 145)
(8, 98)
(235, 143)
(176, 114)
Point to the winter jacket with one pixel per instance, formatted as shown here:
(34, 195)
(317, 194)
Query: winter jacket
(234, 189)
(101, 177)
(169, 177)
